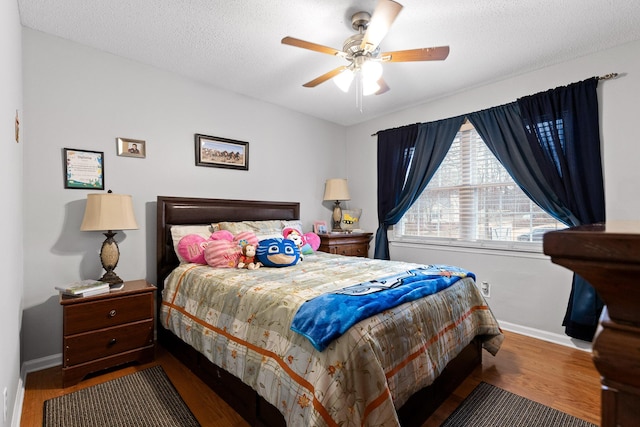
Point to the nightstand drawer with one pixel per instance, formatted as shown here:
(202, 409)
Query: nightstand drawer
(348, 244)
(100, 314)
(93, 345)
(352, 250)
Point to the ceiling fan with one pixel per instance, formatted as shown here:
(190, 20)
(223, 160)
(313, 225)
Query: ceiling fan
(362, 51)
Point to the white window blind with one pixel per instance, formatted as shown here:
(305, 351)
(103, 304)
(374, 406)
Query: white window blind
(473, 198)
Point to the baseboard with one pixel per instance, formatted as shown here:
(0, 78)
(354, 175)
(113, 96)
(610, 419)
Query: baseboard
(546, 336)
(17, 405)
(30, 366)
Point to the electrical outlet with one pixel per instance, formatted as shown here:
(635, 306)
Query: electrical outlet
(4, 404)
(485, 289)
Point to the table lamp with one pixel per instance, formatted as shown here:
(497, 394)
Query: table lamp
(108, 212)
(336, 189)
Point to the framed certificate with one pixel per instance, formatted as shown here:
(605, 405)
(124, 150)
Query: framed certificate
(83, 169)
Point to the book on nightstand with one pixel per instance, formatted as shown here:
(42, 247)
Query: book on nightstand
(84, 288)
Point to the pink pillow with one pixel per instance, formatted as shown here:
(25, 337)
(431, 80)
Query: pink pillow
(222, 235)
(313, 240)
(224, 249)
(191, 248)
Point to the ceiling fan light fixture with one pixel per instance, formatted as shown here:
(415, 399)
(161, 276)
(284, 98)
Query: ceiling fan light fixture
(344, 79)
(369, 87)
(371, 70)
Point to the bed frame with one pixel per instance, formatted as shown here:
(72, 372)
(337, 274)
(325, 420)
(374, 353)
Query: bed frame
(253, 408)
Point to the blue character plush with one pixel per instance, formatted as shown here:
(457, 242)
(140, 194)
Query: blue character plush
(277, 252)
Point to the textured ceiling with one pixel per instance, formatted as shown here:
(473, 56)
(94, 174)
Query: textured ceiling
(235, 44)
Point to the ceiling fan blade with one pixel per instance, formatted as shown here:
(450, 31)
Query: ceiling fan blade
(326, 76)
(291, 41)
(383, 16)
(425, 54)
(383, 87)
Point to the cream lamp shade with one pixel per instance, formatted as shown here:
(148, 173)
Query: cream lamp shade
(108, 212)
(336, 189)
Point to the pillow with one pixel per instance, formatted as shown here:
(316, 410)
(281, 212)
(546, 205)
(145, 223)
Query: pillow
(179, 231)
(191, 248)
(294, 223)
(350, 219)
(262, 229)
(313, 241)
(224, 249)
(277, 252)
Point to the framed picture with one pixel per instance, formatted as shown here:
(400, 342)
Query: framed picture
(221, 152)
(320, 227)
(131, 147)
(83, 169)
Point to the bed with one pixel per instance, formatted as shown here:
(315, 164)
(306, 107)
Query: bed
(273, 376)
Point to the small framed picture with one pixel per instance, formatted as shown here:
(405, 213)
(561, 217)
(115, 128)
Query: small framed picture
(221, 152)
(83, 169)
(131, 147)
(320, 227)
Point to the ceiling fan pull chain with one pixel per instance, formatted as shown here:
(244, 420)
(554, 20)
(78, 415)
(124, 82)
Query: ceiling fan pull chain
(359, 97)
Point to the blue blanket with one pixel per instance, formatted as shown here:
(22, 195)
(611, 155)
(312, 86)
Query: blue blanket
(326, 317)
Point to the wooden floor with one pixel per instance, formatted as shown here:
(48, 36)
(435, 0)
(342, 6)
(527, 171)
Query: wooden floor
(557, 376)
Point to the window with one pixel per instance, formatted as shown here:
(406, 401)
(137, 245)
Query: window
(472, 198)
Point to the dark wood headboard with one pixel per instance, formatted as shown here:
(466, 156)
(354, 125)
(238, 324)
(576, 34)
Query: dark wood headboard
(189, 210)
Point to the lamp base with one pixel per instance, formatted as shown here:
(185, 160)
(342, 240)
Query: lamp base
(109, 256)
(111, 278)
(337, 216)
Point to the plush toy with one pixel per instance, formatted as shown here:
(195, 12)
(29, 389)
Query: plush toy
(277, 252)
(247, 258)
(191, 248)
(296, 237)
(308, 243)
(224, 249)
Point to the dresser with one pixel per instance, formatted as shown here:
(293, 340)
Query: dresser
(349, 244)
(608, 257)
(107, 330)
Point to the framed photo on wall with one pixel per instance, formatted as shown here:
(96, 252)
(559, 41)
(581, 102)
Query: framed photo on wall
(83, 169)
(216, 152)
(131, 147)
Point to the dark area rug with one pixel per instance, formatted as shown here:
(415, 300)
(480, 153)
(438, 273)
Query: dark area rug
(142, 399)
(490, 406)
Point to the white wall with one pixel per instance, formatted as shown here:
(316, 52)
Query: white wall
(11, 285)
(78, 97)
(527, 290)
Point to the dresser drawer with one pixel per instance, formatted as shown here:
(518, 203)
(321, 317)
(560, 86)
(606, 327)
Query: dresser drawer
(348, 244)
(351, 250)
(88, 346)
(100, 314)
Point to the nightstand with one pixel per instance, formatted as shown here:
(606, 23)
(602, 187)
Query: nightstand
(349, 244)
(107, 330)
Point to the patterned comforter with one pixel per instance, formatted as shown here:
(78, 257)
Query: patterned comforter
(241, 319)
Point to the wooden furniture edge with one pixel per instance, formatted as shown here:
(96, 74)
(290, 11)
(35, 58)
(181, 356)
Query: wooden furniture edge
(607, 255)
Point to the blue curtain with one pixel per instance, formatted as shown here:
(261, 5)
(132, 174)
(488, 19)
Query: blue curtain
(502, 131)
(563, 131)
(405, 167)
(549, 143)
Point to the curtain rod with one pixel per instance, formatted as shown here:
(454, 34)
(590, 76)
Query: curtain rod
(604, 77)
(608, 76)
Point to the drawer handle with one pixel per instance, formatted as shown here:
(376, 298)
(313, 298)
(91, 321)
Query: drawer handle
(112, 313)
(112, 341)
